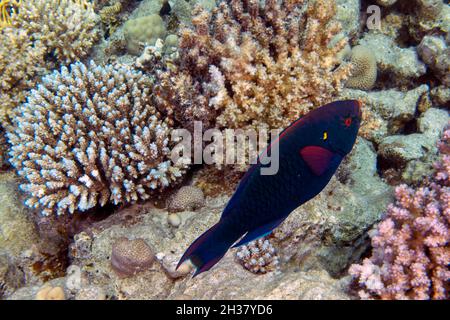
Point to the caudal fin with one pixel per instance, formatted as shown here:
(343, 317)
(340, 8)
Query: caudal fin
(209, 248)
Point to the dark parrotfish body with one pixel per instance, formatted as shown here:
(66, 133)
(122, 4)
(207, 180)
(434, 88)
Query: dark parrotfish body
(310, 151)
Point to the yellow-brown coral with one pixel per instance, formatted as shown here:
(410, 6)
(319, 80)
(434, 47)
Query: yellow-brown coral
(246, 65)
(109, 15)
(364, 69)
(7, 7)
(67, 28)
(20, 65)
(34, 33)
(50, 293)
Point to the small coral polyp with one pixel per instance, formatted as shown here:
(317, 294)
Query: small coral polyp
(88, 136)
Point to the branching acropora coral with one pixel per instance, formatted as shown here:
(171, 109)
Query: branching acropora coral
(258, 256)
(246, 64)
(87, 136)
(35, 32)
(411, 251)
(7, 7)
(20, 61)
(67, 28)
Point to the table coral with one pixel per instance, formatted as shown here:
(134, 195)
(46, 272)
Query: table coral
(245, 65)
(411, 250)
(88, 136)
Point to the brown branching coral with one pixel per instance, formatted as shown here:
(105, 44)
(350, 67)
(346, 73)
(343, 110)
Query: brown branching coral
(245, 65)
(88, 136)
(67, 28)
(7, 7)
(33, 35)
(20, 61)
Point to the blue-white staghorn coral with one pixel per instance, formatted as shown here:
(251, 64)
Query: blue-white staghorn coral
(88, 136)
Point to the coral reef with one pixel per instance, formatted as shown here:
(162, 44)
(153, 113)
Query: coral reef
(88, 136)
(364, 72)
(68, 33)
(33, 40)
(401, 63)
(245, 65)
(129, 257)
(411, 245)
(20, 65)
(391, 108)
(143, 31)
(186, 198)
(109, 15)
(258, 256)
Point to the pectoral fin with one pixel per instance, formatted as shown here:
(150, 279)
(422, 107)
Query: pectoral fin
(317, 158)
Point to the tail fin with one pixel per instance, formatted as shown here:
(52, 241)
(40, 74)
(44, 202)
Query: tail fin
(210, 247)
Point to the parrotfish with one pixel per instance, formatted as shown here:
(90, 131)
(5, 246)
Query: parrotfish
(309, 152)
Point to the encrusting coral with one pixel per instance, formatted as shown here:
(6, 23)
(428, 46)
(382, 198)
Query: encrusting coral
(89, 135)
(364, 69)
(411, 250)
(246, 64)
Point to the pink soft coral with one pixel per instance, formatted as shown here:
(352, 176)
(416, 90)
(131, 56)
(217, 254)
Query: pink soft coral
(411, 252)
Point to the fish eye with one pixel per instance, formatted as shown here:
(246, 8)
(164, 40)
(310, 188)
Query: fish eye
(348, 122)
(325, 135)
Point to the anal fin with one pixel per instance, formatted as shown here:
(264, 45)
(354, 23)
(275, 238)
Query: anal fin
(258, 233)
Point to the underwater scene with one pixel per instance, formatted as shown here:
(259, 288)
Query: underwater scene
(224, 149)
